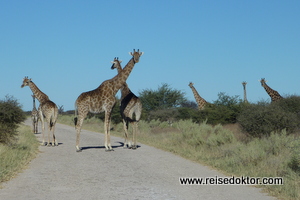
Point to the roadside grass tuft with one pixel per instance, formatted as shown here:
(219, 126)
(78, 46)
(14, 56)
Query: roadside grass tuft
(16, 156)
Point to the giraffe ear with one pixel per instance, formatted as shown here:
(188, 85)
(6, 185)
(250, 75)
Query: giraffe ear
(120, 61)
(130, 53)
(141, 53)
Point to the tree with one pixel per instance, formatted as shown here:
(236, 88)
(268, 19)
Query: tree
(11, 114)
(163, 98)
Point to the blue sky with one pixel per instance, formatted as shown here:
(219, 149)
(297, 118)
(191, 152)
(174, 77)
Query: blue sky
(66, 46)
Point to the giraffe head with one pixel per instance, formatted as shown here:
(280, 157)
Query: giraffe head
(116, 63)
(26, 81)
(191, 84)
(136, 55)
(263, 81)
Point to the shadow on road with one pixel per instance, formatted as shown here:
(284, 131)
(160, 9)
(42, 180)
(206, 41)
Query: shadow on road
(121, 144)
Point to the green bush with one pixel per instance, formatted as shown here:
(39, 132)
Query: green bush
(11, 115)
(263, 118)
(223, 111)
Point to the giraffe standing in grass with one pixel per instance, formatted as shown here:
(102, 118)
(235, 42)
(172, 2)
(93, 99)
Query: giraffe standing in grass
(200, 101)
(130, 104)
(34, 116)
(275, 96)
(102, 99)
(47, 109)
(245, 94)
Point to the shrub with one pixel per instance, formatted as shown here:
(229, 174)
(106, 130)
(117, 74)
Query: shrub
(11, 115)
(163, 115)
(263, 118)
(223, 111)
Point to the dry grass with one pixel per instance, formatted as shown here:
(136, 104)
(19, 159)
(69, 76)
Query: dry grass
(15, 157)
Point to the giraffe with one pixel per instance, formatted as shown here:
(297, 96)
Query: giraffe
(130, 104)
(34, 116)
(102, 99)
(200, 101)
(245, 94)
(47, 109)
(275, 96)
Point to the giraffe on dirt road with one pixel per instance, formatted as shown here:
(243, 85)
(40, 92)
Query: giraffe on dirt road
(102, 99)
(47, 109)
(130, 104)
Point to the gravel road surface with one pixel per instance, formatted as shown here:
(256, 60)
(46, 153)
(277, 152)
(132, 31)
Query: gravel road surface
(143, 174)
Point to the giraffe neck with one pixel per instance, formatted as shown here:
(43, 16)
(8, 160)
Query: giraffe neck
(272, 93)
(122, 76)
(42, 97)
(245, 94)
(124, 89)
(200, 101)
(34, 108)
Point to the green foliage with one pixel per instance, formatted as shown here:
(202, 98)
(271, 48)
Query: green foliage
(11, 115)
(223, 111)
(162, 98)
(262, 118)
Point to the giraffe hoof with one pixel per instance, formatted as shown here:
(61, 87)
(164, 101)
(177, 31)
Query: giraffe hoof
(134, 148)
(43, 144)
(108, 150)
(78, 149)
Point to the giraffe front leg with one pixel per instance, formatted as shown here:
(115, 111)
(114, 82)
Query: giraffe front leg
(33, 126)
(107, 132)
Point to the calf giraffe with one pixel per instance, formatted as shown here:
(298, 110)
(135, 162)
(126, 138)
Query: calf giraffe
(47, 109)
(102, 99)
(34, 116)
(130, 104)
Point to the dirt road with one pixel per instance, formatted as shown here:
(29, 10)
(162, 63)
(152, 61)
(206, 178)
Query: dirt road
(146, 173)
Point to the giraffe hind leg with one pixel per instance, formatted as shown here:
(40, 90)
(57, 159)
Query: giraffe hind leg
(54, 143)
(43, 129)
(78, 125)
(134, 133)
(125, 127)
